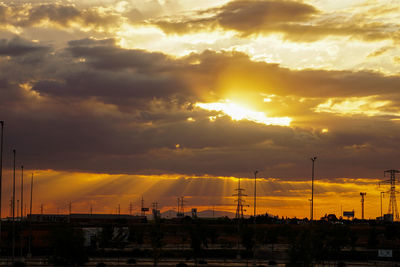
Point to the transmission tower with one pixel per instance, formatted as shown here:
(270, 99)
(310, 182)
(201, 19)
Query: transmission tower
(155, 210)
(240, 201)
(362, 194)
(181, 209)
(130, 208)
(392, 204)
(143, 209)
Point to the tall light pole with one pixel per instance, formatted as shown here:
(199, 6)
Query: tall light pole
(381, 204)
(22, 203)
(30, 220)
(13, 213)
(362, 194)
(255, 194)
(30, 205)
(255, 202)
(312, 189)
(1, 167)
(22, 192)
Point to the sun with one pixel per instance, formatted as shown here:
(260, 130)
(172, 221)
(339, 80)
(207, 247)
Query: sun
(239, 112)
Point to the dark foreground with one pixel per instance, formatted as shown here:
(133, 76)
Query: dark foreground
(134, 241)
(141, 262)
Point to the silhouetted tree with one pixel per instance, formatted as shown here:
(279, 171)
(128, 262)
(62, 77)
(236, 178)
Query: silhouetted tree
(391, 232)
(247, 235)
(156, 237)
(372, 238)
(212, 235)
(136, 235)
(270, 237)
(68, 247)
(198, 239)
(106, 236)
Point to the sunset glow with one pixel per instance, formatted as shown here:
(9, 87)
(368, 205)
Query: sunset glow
(106, 101)
(277, 197)
(237, 112)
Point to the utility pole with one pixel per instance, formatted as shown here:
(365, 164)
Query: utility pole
(362, 194)
(13, 213)
(1, 167)
(30, 221)
(155, 210)
(255, 224)
(143, 209)
(11, 206)
(255, 194)
(382, 193)
(312, 189)
(22, 192)
(182, 208)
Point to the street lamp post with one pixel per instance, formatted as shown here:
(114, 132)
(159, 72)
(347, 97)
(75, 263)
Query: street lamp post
(255, 193)
(312, 189)
(1, 167)
(381, 204)
(255, 202)
(22, 192)
(13, 213)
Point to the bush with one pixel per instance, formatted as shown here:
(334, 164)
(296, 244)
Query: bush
(272, 263)
(131, 261)
(19, 264)
(68, 248)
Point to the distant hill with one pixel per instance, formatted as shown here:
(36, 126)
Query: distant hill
(201, 214)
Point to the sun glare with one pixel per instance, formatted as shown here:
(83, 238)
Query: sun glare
(237, 113)
(368, 106)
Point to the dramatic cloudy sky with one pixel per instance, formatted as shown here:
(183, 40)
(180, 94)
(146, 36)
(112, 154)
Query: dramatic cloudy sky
(106, 101)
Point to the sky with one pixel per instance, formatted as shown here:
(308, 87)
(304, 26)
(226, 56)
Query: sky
(108, 101)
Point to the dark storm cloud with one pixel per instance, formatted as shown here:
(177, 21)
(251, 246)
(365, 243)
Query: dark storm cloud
(296, 21)
(111, 57)
(20, 47)
(57, 14)
(110, 87)
(62, 15)
(125, 111)
(245, 16)
(119, 76)
(255, 16)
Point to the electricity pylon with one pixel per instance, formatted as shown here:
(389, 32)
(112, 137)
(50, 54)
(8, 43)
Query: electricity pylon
(392, 203)
(240, 201)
